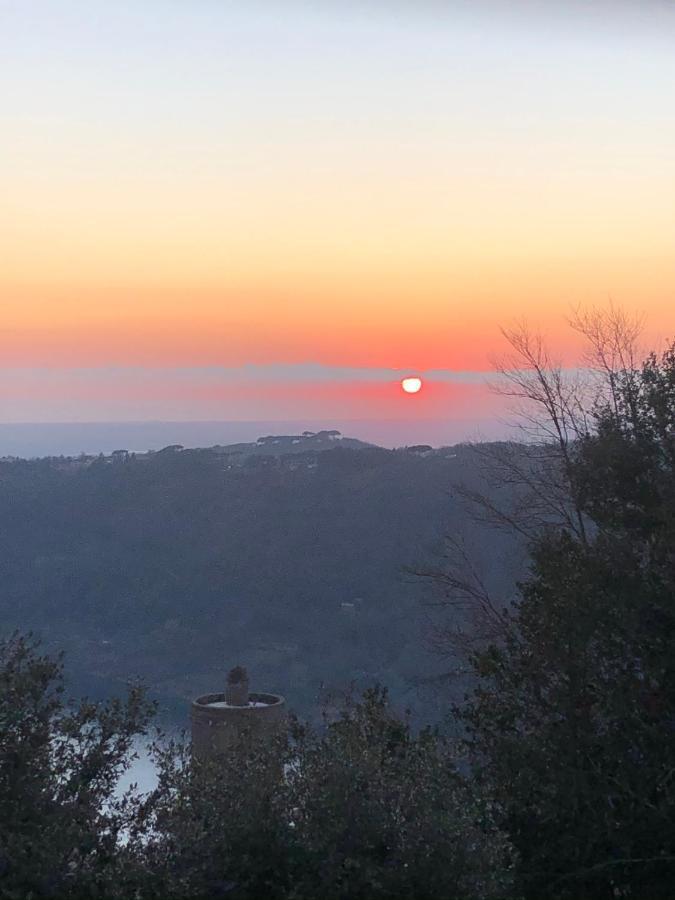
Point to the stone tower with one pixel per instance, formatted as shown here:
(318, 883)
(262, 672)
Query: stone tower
(220, 720)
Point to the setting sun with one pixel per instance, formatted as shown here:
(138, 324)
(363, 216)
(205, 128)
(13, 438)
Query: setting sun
(412, 385)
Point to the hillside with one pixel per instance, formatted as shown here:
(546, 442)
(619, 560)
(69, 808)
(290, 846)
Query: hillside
(173, 565)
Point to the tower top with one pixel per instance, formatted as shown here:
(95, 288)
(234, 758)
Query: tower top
(221, 720)
(236, 691)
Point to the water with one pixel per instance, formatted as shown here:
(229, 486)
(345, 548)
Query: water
(142, 773)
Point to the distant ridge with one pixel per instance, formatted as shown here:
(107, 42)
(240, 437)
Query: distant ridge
(28, 440)
(282, 444)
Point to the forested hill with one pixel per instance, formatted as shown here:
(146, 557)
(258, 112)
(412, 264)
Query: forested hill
(287, 556)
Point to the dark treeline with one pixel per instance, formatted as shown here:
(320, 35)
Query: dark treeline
(362, 808)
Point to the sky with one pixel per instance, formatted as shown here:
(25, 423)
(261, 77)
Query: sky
(252, 210)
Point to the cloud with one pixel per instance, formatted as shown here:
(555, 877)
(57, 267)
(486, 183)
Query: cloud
(282, 373)
(307, 391)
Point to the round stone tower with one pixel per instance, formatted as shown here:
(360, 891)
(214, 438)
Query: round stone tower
(220, 720)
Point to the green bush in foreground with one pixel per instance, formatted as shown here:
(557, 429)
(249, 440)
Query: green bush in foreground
(364, 808)
(60, 820)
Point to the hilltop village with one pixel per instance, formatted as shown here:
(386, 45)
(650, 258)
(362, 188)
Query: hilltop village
(279, 450)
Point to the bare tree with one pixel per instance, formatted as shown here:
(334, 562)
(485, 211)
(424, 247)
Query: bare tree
(529, 480)
(463, 613)
(613, 353)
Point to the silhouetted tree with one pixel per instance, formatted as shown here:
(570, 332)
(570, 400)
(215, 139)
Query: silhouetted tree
(362, 809)
(573, 719)
(61, 822)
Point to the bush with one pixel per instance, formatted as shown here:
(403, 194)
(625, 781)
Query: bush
(60, 822)
(364, 809)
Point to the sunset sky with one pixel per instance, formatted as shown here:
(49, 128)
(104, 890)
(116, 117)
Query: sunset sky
(276, 210)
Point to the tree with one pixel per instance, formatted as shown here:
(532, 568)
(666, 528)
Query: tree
(60, 822)
(380, 812)
(572, 722)
(218, 827)
(363, 809)
(530, 484)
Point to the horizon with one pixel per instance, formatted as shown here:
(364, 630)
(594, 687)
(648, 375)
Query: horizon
(31, 440)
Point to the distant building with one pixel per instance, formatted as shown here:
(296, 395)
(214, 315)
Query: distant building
(220, 720)
(421, 449)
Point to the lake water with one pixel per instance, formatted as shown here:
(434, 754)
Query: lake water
(142, 773)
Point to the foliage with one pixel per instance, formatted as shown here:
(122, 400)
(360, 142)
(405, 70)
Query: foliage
(60, 822)
(380, 812)
(573, 720)
(362, 809)
(218, 826)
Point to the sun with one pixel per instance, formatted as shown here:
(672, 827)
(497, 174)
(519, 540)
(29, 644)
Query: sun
(412, 385)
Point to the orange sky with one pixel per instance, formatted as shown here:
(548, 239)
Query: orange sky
(258, 185)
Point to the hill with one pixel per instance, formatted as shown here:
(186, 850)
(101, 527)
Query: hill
(287, 557)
